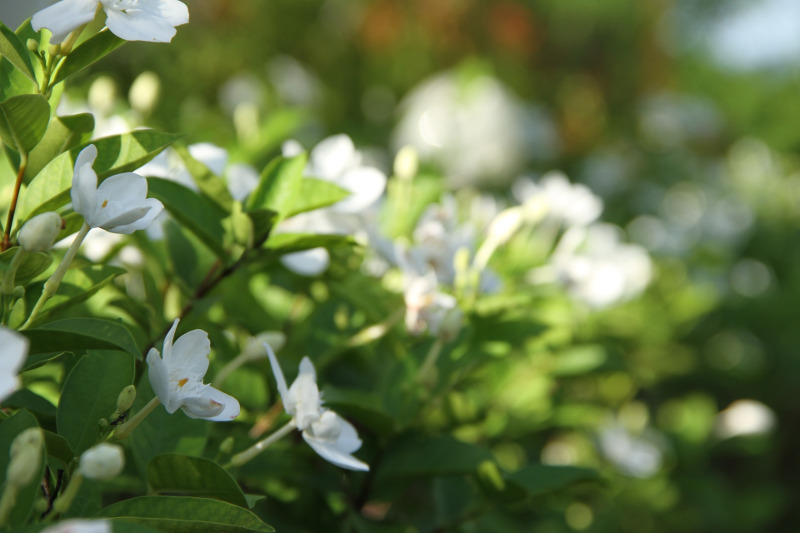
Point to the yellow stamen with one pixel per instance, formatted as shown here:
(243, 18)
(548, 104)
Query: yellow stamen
(183, 382)
(105, 203)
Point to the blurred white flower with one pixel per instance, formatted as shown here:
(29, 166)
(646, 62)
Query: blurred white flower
(328, 434)
(119, 204)
(565, 202)
(13, 351)
(430, 310)
(102, 462)
(177, 378)
(745, 417)
(634, 455)
(132, 20)
(79, 525)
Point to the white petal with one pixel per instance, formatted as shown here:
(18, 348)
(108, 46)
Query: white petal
(147, 213)
(211, 155)
(331, 453)
(332, 157)
(190, 355)
(159, 377)
(121, 188)
(84, 182)
(205, 405)
(366, 185)
(63, 17)
(307, 367)
(13, 351)
(348, 440)
(9, 383)
(167, 349)
(140, 25)
(276, 369)
(308, 262)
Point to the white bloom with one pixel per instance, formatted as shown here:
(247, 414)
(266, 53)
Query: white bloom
(102, 462)
(13, 351)
(79, 525)
(331, 436)
(428, 309)
(132, 20)
(119, 204)
(567, 203)
(177, 378)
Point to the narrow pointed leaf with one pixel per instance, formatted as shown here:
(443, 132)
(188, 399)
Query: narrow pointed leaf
(87, 53)
(13, 49)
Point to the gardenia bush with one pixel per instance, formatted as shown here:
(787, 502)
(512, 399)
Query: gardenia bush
(134, 396)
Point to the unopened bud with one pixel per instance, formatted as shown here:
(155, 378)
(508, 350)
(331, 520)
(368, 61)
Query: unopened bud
(103, 423)
(125, 399)
(19, 292)
(505, 224)
(102, 94)
(26, 457)
(33, 45)
(54, 50)
(39, 233)
(406, 163)
(227, 446)
(102, 462)
(144, 92)
(255, 346)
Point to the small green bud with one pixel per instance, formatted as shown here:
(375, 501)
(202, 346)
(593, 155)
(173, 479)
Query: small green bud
(54, 50)
(227, 446)
(19, 292)
(103, 423)
(33, 45)
(39, 233)
(125, 399)
(26, 457)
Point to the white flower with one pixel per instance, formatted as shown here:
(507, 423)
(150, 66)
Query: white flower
(119, 204)
(331, 436)
(567, 203)
(132, 20)
(177, 378)
(104, 461)
(13, 351)
(428, 309)
(79, 525)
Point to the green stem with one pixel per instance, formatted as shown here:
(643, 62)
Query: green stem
(232, 365)
(23, 165)
(51, 285)
(64, 502)
(430, 359)
(243, 457)
(125, 429)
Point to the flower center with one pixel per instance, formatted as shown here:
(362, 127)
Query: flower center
(104, 204)
(183, 382)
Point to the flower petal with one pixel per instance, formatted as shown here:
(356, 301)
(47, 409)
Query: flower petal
(308, 262)
(122, 188)
(147, 213)
(158, 372)
(141, 24)
(206, 405)
(190, 355)
(167, 349)
(366, 185)
(84, 183)
(276, 369)
(63, 17)
(331, 453)
(332, 157)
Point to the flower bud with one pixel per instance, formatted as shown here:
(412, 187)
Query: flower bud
(227, 446)
(54, 50)
(255, 346)
(505, 224)
(125, 399)
(33, 45)
(144, 92)
(406, 163)
(39, 233)
(26, 457)
(102, 462)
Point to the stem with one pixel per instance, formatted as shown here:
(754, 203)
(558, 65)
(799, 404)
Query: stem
(125, 429)
(63, 502)
(23, 165)
(232, 365)
(430, 359)
(243, 457)
(51, 285)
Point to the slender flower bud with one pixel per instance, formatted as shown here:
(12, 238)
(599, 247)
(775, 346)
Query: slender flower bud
(102, 462)
(227, 446)
(144, 92)
(26, 457)
(33, 45)
(39, 233)
(125, 399)
(406, 163)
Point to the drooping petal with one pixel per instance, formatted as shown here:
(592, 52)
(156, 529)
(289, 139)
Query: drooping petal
(84, 183)
(348, 440)
(212, 404)
(140, 25)
(308, 262)
(303, 400)
(190, 355)
(63, 17)
(276, 369)
(158, 372)
(147, 213)
(332, 157)
(173, 11)
(366, 185)
(167, 349)
(329, 451)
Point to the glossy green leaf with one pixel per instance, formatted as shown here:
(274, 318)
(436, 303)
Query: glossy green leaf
(26, 398)
(78, 334)
(32, 264)
(58, 449)
(50, 189)
(87, 53)
(177, 514)
(542, 479)
(23, 120)
(62, 134)
(27, 495)
(90, 393)
(195, 212)
(173, 474)
(314, 194)
(286, 243)
(16, 51)
(279, 185)
(417, 455)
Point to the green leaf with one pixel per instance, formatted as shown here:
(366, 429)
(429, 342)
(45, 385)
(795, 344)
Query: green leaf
(58, 449)
(78, 334)
(62, 134)
(50, 189)
(174, 474)
(32, 264)
(25, 398)
(421, 456)
(286, 243)
(314, 194)
(23, 120)
(90, 393)
(279, 185)
(178, 514)
(78, 286)
(212, 186)
(13, 49)
(195, 212)
(87, 53)
(543, 479)
(28, 494)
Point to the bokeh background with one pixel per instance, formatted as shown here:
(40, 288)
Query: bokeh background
(682, 115)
